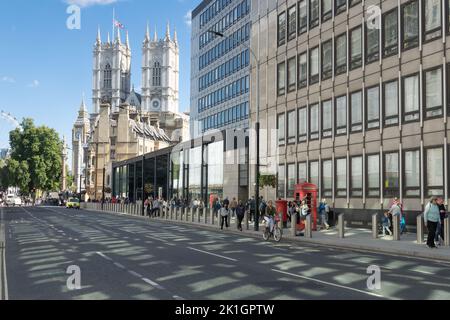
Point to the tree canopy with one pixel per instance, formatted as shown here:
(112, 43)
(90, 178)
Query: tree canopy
(35, 162)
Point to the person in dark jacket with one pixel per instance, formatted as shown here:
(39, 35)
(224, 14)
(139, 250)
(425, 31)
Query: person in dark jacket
(440, 226)
(240, 213)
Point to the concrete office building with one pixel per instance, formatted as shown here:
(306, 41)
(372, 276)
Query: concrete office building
(220, 74)
(360, 111)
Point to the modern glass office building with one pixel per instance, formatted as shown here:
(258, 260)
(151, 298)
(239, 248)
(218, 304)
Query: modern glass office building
(220, 78)
(358, 95)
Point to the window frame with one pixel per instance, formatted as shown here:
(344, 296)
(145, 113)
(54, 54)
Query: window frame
(341, 8)
(284, 186)
(302, 137)
(368, 189)
(281, 40)
(353, 127)
(328, 132)
(435, 33)
(313, 23)
(291, 34)
(310, 163)
(281, 91)
(413, 42)
(426, 110)
(327, 192)
(366, 98)
(281, 140)
(375, 56)
(405, 188)
(358, 62)
(392, 49)
(340, 69)
(428, 188)
(328, 73)
(291, 114)
(313, 135)
(301, 163)
(356, 192)
(386, 119)
(405, 114)
(340, 130)
(325, 16)
(291, 87)
(313, 79)
(389, 192)
(338, 190)
(302, 28)
(302, 83)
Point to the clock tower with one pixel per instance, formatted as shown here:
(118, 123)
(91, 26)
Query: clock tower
(80, 138)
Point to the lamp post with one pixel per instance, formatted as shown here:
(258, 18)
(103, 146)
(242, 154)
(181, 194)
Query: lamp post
(257, 127)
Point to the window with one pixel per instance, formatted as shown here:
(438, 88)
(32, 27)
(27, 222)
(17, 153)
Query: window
(313, 13)
(372, 45)
(391, 175)
(412, 173)
(302, 70)
(327, 56)
(373, 175)
(340, 6)
(302, 17)
(390, 33)
(282, 29)
(292, 74)
(356, 111)
(314, 121)
(355, 48)
(327, 8)
(281, 129)
(302, 125)
(411, 98)
(327, 178)
(341, 177)
(292, 128)
(291, 180)
(301, 172)
(391, 103)
(410, 25)
(356, 181)
(432, 23)
(314, 172)
(292, 22)
(327, 116)
(314, 65)
(341, 54)
(156, 73)
(107, 77)
(435, 172)
(341, 115)
(281, 79)
(433, 93)
(281, 187)
(373, 107)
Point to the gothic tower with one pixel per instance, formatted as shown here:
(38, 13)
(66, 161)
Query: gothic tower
(80, 138)
(111, 72)
(160, 73)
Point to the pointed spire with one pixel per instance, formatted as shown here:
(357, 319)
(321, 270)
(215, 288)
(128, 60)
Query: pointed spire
(175, 36)
(83, 105)
(155, 37)
(167, 38)
(118, 40)
(99, 37)
(147, 33)
(127, 41)
(109, 38)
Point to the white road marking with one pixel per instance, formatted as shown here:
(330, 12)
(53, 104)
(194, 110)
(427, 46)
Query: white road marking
(152, 283)
(329, 283)
(178, 298)
(121, 266)
(212, 254)
(135, 274)
(103, 256)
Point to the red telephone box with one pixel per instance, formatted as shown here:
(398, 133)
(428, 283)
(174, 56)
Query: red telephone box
(307, 191)
(282, 208)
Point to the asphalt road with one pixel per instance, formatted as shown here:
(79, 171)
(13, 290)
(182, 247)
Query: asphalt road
(130, 258)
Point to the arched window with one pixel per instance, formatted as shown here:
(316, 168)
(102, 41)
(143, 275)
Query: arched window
(157, 74)
(107, 77)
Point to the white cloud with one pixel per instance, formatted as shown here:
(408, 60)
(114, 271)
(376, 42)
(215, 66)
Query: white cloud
(188, 18)
(34, 84)
(8, 79)
(88, 3)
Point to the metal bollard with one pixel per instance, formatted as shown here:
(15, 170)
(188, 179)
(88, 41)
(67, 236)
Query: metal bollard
(294, 225)
(341, 226)
(198, 215)
(246, 218)
(375, 226)
(205, 215)
(186, 212)
(308, 227)
(176, 213)
(211, 215)
(171, 213)
(420, 229)
(192, 215)
(396, 225)
(447, 232)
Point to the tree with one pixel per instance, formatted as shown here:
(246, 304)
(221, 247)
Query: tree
(4, 177)
(36, 161)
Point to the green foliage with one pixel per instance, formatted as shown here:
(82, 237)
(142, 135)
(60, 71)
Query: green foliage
(35, 158)
(269, 180)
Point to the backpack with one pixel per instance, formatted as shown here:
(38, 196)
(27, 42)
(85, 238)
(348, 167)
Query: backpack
(262, 206)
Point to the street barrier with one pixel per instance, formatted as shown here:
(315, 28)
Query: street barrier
(294, 225)
(396, 226)
(420, 229)
(447, 232)
(375, 226)
(308, 227)
(341, 225)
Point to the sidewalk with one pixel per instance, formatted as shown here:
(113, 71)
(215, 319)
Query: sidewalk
(355, 239)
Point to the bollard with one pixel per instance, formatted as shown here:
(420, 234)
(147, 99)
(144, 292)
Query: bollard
(192, 215)
(396, 226)
(211, 212)
(375, 226)
(198, 215)
(447, 232)
(308, 227)
(420, 229)
(341, 226)
(176, 213)
(186, 212)
(294, 225)
(205, 215)
(246, 216)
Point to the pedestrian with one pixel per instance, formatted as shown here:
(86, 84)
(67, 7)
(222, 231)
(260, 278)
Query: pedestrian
(233, 206)
(262, 206)
(269, 215)
(432, 218)
(386, 223)
(440, 226)
(395, 211)
(324, 209)
(240, 213)
(224, 213)
(251, 207)
(155, 208)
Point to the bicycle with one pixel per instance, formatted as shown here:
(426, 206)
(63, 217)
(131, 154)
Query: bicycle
(276, 233)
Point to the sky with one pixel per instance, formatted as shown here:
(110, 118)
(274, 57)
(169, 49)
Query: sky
(45, 67)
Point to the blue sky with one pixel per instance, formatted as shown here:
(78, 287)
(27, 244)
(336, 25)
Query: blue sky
(45, 67)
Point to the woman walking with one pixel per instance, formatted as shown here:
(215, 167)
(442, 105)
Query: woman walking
(432, 218)
(240, 213)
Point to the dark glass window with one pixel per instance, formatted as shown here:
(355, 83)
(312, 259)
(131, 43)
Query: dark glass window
(340, 6)
(373, 107)
(390, 33)
(355, 48)
(391, 102)
(327, 118)
(314, 65)
(327, 9)
(292, 22)
(302, 16)
(327, 62)
(432, 19)
(341, 53)
(410, 25)
(341, 115)
(391, 175)
(433, 93)
(281, 78)
(313, 13)
(282, 29)
(302, 70)
(372, 45)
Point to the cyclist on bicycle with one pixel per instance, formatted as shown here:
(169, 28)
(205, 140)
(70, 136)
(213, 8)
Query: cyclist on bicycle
(270, 215)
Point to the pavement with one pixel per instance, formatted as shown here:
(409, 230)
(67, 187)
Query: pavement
(135, 258)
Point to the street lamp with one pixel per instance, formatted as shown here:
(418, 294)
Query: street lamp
(257, 127)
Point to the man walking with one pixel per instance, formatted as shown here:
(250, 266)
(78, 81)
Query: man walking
(240, 213)
(224, 213)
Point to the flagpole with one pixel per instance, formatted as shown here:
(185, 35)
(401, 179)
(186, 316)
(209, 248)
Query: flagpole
(113, 24)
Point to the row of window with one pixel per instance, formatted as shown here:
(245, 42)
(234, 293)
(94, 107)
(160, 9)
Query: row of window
(368, 109)
(226, 45)
(226, 117)
(354, 178)
(290, 23)
(230, 91)
(236, 63)
(213, 10)
(240, 11)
